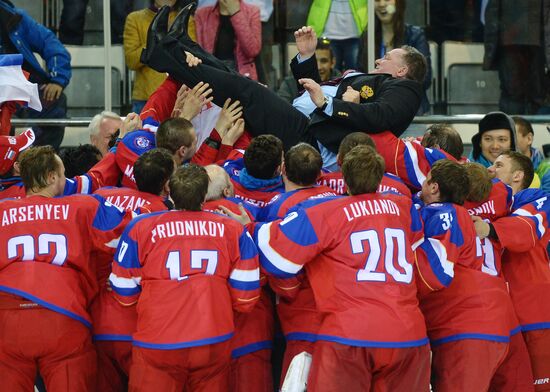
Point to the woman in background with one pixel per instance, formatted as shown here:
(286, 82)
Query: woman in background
(146, 80)
(391, 32)
(232, 31)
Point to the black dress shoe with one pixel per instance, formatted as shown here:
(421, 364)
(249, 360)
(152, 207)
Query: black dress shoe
(180, 26)
(158, 30)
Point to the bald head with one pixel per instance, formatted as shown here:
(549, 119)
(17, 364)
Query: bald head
(220, 185)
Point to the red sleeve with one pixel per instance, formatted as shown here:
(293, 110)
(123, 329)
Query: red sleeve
(516, 233)
(105, 173)
(161, 102)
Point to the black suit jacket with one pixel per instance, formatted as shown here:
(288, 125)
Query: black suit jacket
(387, 104)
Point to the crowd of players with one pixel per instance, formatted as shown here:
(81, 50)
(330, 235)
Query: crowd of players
(174, 262)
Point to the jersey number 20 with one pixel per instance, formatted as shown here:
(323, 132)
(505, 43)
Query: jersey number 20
(369, 273)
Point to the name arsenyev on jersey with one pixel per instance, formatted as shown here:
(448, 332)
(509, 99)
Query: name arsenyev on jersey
(187, 228)
(370, 207)
(35, 213)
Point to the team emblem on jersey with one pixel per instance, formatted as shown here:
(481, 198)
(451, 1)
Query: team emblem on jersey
(142, 142)
(366, 92)
(12, 140)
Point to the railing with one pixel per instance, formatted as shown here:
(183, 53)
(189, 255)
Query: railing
(458, 119)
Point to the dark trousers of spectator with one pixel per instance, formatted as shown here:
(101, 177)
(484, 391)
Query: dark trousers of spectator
(264, 61)
(346, 52)
(522, 79)
(52, 136)
(447, 20)
(73, 16)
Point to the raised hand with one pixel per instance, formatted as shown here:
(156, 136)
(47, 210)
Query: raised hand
(234, 133)
(231, 111)
(130, 123)
(314, 89)
(180, 100)
(195, 99)
(306, 41)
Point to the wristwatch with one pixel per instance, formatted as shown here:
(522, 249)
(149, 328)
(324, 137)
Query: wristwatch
(325, 104)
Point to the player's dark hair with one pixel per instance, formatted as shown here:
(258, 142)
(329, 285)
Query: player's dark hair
(354, 139)
(523, 126)
(522, 163)
(153, 169)
(452, 180)
(363, 169)
(262, 156)
(78, 160)
(480, 182)
(174, 133)
(188, 187)
(303, 164)
(445, 137)
(35, 165)
(416, 62)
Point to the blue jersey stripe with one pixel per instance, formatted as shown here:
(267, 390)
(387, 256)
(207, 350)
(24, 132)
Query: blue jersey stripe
(46, 305)
(475, 336)
(371, 343)
(250, 348)
(175, 346)
(113, 338)
(246, 286)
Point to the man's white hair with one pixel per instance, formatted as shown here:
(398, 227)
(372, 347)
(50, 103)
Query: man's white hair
(219, 180)
(93, 128)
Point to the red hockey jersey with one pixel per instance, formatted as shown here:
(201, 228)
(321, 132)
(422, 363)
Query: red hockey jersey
(112, 320)
(363, 248)
(49, 243)
(189, 269)
(467, 303)
(497, 205)
(525, 264)
(390, 182)
(408, 160)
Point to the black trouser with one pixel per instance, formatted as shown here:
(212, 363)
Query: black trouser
(264, 111)
(522, 78)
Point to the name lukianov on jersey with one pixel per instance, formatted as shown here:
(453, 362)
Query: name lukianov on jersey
(187, 228)
(370, 207)
(486, 208)
(32, 213)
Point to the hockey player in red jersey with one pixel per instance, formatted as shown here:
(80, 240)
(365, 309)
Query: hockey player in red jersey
(467, 311)
(524, 235)
(411, 160)
(352, 240)
(187, 270)
(47, 278)
(335, 180)
(113, 323)
(257, 176)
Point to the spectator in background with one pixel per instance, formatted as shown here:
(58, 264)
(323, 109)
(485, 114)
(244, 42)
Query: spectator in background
(19, 33)
(496, 134)
(137, 23)
(392, 32)
(524, 140)
(288, 89)
(341, 21)
(102, 128)
(514, 45)
(73, 16)
(231, 30)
